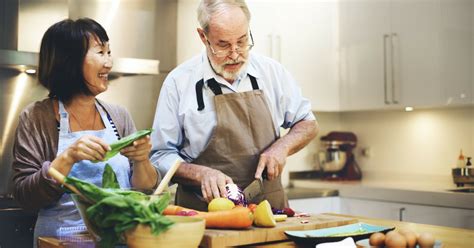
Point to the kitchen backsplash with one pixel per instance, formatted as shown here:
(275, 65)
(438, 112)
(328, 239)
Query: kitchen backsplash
(421, 146)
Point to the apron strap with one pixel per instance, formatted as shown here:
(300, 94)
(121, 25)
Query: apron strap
(212, 84)
(216, 88)
(253, 80)
(63, 118)
(199, 99)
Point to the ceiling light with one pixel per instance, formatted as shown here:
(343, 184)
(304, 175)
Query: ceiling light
(408, 109)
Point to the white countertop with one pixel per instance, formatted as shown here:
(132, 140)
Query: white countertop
(405, 192)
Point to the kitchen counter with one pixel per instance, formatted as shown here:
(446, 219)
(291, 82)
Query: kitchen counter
(414, 193)
(227, 237)
(302, 193)
(449, 237)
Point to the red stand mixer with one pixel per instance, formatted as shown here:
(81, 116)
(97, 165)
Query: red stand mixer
(337, 161)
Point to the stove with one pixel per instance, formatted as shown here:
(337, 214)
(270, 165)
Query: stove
(17, 225)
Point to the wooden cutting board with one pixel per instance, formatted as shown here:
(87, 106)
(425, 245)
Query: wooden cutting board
(253, 235)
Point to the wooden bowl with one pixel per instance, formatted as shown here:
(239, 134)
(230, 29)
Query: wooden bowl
(186, 232)
(82, 206)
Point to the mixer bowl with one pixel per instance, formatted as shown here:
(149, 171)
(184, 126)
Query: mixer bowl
(332, 161)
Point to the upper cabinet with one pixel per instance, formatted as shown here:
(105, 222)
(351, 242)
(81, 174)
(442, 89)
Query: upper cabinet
(390, 54)
(457, 51)
(361, 54)
(303, 36)
(300, 34)
(365, 39)
(397, 53)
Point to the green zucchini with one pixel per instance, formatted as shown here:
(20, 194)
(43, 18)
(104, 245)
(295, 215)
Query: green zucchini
(124, 142)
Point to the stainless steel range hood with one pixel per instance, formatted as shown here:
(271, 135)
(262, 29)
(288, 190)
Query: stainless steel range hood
(17, 60)
(20, 38)
(23, 61)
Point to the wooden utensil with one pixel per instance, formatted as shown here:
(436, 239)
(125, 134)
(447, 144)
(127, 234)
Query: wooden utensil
(164, 182)
(61, 179)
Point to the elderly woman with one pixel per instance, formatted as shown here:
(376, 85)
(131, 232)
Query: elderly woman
(71, 128)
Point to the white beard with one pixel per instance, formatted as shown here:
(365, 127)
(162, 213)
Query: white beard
(220, 70)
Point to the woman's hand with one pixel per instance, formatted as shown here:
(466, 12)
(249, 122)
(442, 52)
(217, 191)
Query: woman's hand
(87, 147)
(139, 151)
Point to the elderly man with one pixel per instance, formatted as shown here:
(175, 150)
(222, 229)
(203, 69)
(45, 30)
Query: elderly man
(220, 113)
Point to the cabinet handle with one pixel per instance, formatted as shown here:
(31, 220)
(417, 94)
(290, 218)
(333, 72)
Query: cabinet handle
(278, 41)
(394, 99)
(385, 79)
(270, 39)
(400, 213)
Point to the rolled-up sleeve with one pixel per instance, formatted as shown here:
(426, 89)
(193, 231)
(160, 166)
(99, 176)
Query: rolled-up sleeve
(168, 136)
(33, 188)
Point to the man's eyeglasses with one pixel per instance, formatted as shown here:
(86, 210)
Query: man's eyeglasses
(227, 50)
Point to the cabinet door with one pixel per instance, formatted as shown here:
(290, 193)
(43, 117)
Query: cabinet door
(373, 209)
(303, 36)
(457, 51)
(442, 216)
(416, 58)
(452, 217)
(316, 205)
(364, 26)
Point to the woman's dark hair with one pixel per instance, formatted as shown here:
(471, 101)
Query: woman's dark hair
(63, 49)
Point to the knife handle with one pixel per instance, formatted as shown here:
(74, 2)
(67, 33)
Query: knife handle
(264, 174)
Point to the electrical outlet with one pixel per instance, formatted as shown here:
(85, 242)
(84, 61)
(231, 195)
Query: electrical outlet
(367, 152)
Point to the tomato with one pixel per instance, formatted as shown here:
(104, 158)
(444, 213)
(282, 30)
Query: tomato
(252, 207)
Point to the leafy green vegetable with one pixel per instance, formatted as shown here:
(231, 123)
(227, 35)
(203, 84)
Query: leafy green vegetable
(114, 210)
(109, 179)
(116, 214)
(124, 142)
(89, 190)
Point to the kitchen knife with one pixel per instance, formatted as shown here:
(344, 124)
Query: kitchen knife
(253, 190)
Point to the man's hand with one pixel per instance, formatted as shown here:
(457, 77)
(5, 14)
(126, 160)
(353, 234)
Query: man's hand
(274, 158)
(213, 183)
(274, 161)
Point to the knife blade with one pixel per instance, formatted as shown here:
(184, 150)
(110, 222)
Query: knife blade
(253, 190)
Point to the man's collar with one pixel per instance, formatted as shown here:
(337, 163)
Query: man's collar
(251, 69)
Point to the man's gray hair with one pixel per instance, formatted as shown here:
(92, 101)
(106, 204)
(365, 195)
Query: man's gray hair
(207, 8)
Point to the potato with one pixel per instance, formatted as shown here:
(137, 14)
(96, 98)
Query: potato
(377, 239)
(426, 240)
(395, 239)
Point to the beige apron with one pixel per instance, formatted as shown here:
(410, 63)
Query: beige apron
(243, 131)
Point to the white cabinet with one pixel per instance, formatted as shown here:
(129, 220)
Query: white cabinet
(363, 26)
(390, 54)
(361, 54)
(457, 51)
(300, 34)
(442, 216)
(316, 205)
(303, 36)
